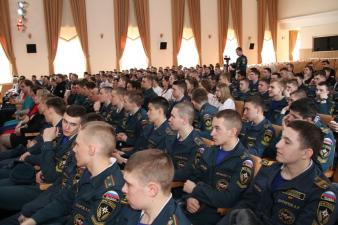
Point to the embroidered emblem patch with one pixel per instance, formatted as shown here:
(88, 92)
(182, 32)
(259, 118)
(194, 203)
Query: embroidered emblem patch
(286, 216)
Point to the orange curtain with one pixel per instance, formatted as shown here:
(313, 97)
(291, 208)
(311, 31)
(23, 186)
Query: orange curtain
(177, 14)
(121, 13)
(195, 18)
(78, 8)
(273, 15)
(236, 11)
(5, 34)
(53, 16)
(223, 23)
(292, 42)
(261, 16)
(143, 23)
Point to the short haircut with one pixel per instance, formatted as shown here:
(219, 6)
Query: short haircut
(199, 95)
(135, 84)
(58, 104)
(300, 93)
(90, 85)
(325, 61)
(89, 117)
(326, 84)
(265, 80)
(257, 101)
(100, 133)
(152, 165)
(255, 71)
(277, 74)
(107, 89)
(246, 80)
(76, 111)
(28, 83)
(239, 49)
(160, 102)
(268, 69)
(182, 85)
(280, 82)
(293, 82)
(119, 91)
(185, 109)
(309, 135)
(305, 107)
(232, 119)
(135, 97)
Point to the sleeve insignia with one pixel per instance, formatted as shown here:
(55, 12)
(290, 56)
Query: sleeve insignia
(248, 163)
(106, 206)
(222, 184)
(207, 121)
(244, 177)
(324, 211)
(267, 137)
(328, 196)
(286, 216)
(78, 219)
(265, 162)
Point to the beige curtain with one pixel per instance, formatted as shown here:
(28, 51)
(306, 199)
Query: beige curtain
(223, 23)
(177, 15)
(261, 15)
(195, 18)
(53, 17)
(292, 42)
(273, 15)
(121, 13)
(5, 34)
(236, 11)
(143, 23)
(78, 8)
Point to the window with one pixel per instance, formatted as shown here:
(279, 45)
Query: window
(295, 53)
(188, 55)
(69, 57)
(133, 54)
(5, 68)
(268, 51)
(231, 45)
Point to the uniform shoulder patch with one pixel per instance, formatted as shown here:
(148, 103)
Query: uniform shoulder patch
(321, 183)
(109, 182)
(106, 207)
(245, 174)
(326, 207)
(268, 133)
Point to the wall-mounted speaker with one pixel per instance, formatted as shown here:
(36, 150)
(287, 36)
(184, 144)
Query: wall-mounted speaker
(252, 46)
(31, 48)
(163, 45)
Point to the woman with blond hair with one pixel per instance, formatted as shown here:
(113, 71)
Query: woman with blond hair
(224, 97)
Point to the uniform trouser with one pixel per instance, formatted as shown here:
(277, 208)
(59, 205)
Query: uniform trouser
(38, 203)
(13, 153)
(13, 197)
(206, 216)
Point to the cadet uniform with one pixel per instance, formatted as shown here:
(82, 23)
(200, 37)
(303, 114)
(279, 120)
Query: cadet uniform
(171, 214)
(241, 64)
(253, 87)
(325, 106)
(116, 117)
(173, 103)
(132, 126)
(105, 111)
(326, 153)
(241, 96)
(148, 95)
(258, 138)
(274, 111)
(203, 121)
(306, 199)
(221, 177)
(155, 138)
(93, 200)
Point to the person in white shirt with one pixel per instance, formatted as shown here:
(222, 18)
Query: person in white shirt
(224, 97)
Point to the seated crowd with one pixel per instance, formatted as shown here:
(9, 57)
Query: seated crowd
(171, 146)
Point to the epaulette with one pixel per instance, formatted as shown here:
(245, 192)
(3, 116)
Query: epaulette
(109, 182)
(320, 182)
(172, 220)
(245, 155)
(266, 162)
